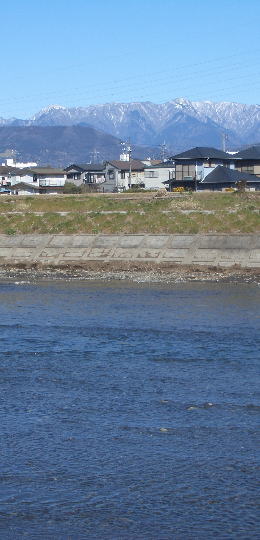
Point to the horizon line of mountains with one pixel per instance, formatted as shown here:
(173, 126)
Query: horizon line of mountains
(63, 135)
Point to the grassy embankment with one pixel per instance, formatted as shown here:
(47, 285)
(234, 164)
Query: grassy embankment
(139, 213)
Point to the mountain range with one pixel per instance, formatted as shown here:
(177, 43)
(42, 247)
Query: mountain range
(179, 123)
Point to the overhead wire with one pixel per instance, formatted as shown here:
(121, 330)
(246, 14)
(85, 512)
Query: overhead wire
(151, 82)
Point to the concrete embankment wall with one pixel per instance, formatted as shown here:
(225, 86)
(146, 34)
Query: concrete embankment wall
(200, 249)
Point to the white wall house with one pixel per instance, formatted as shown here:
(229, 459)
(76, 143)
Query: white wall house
(22, 188)
(119, 178)
(156, 175)
(47, 179)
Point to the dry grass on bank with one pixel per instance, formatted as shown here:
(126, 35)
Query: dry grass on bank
(142, 213)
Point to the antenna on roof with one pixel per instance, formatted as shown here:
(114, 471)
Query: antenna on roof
(126, 151)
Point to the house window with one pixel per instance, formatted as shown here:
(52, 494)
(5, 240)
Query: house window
(111, 174)
(35, 178)
(188, 171)
(122, 175)
(247, 168)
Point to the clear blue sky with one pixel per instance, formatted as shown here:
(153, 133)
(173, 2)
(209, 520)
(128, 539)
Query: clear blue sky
(81, 52)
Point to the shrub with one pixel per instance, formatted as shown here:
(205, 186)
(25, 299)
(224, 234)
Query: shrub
(69, 187)
(91, 188)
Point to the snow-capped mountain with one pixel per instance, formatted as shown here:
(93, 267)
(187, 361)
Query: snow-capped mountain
(180, 123)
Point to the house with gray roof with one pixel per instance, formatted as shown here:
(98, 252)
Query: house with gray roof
(86, 173)
(121, 175)
(45, 179)
(222, 178)
(248, 160)
(192, 166)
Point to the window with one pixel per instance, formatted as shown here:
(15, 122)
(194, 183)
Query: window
(188, 171)
(151, 174)
(247, 168)
(122, 175)
(35, 178)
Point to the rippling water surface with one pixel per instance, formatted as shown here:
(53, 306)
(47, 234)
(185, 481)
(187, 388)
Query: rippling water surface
(128, 411)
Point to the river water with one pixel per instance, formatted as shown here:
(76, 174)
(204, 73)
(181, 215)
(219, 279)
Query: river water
(128, 411)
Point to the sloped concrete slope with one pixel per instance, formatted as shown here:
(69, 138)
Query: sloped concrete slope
(210, 249)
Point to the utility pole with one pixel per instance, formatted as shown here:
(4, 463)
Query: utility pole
(94, 155)
(129, 152)
(163, 149)
(224, 140)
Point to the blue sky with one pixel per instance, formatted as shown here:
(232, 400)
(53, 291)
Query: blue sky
(81, 52)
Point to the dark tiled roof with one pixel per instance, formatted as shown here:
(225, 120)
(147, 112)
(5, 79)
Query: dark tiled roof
(249, 153)
(45, 170)
(162, 165)
(203, 152)
(84, 167)
(22, 185)
(136, 165)
(5, 169)
(92, 167)
(73, 166)
(222, 175)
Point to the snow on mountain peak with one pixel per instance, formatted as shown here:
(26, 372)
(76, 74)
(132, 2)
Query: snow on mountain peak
(48, 110)
(150, 123)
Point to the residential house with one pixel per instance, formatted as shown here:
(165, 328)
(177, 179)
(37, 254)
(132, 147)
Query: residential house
(209, 168)
(86, 173)
(122, 175)
(223, 178)
(192, 166)
(6, 175)
(22, 188)
(248, 160)
(156, 176)
(74, 174)
(47, 179)
(115, 175)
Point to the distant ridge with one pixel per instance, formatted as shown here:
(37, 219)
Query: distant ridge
(179, 123)
(61, 145)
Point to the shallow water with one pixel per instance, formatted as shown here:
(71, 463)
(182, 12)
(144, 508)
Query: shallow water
(128, 411)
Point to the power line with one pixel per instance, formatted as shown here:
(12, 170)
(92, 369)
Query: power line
(152, 79)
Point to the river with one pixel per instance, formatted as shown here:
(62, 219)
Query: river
(128, 411)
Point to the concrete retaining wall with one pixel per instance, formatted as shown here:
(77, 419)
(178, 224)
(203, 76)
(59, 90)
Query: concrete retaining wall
(200, 249)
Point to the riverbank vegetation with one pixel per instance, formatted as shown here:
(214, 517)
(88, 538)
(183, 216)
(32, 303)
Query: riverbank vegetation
(131, 213)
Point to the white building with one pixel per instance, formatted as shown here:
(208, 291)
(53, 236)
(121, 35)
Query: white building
(37, 180)
(11, 162)
(155, 176)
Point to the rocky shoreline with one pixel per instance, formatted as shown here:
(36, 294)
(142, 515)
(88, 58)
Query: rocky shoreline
(141, 273)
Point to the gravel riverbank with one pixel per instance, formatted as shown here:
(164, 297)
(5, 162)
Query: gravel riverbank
(136, 273)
